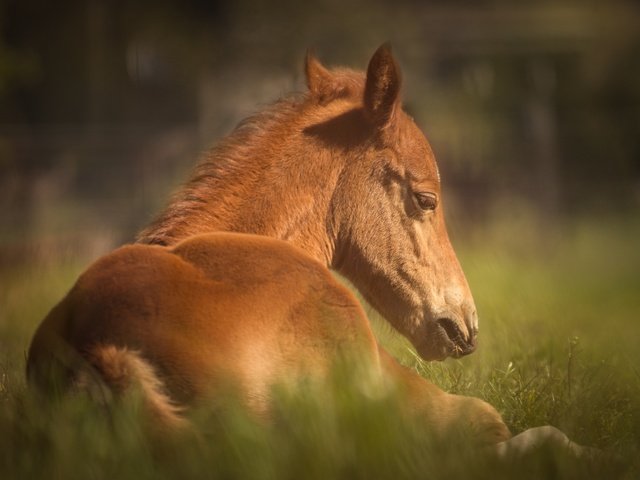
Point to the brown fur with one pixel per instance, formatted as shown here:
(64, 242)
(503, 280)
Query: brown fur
(331, 178)
(123, 369)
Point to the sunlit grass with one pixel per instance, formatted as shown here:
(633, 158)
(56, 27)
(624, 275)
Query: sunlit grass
(559, 334)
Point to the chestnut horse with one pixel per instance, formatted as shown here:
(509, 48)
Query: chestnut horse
(232, 282)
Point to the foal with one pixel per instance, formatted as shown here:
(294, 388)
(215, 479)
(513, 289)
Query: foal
(231, 283)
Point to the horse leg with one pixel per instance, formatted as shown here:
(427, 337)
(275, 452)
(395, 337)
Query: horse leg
(547, 436)
(444, 413)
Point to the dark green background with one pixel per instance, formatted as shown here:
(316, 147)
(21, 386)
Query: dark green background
(105, 105)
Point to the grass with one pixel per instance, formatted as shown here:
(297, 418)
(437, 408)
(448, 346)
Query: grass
(559, 334)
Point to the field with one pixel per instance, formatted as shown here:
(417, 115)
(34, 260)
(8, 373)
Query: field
(559, 330)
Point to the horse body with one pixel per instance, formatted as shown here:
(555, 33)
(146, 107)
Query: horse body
(339, 178)
(212, 310)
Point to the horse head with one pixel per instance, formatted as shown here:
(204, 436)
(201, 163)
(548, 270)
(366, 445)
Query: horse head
(386, 212)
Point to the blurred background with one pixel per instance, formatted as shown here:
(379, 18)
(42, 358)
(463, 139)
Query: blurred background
(105, 105)
(533, 111)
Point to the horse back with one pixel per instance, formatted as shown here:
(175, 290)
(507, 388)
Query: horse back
(215, 309)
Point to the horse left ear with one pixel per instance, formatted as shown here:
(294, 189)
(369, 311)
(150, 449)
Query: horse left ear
(319, 79)
(382, 88)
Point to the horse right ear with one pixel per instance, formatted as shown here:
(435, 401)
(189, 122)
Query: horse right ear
(382, 87)
(319, 79)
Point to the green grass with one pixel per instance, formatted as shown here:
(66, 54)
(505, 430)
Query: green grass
(560, 328)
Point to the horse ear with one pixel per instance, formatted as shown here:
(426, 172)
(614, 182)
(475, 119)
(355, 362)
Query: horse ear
(382, 88)
(319, 79)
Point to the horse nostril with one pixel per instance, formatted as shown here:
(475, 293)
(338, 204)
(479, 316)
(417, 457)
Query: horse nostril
(451, 329)
(462, 344)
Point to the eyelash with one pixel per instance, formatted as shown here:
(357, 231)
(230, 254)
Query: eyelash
(426, 200)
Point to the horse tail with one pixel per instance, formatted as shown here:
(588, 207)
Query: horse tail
(123, 370)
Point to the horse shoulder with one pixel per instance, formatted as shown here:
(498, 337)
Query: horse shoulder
(292, 304)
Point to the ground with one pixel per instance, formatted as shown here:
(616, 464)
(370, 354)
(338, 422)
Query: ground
(558, 345)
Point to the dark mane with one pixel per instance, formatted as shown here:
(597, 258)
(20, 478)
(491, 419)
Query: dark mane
(223, 161)
(229, 160)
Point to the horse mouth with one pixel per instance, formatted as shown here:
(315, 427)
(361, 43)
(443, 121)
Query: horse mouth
(445, 338)
(462, 344)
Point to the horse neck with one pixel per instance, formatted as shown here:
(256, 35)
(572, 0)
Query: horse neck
(274, 185)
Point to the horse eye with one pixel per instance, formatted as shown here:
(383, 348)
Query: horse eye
(426, 200)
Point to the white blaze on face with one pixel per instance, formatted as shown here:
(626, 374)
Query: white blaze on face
(445, 293)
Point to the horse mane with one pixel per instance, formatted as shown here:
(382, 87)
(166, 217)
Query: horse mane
(188, 208)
